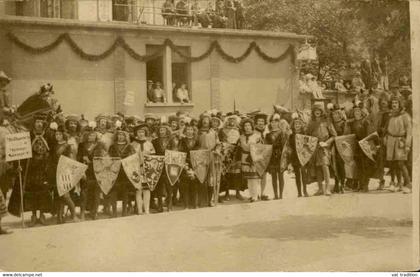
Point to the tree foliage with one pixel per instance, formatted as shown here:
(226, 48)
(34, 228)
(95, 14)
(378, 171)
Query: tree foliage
(344, 30)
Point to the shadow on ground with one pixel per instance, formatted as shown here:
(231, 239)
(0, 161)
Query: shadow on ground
(313, 227)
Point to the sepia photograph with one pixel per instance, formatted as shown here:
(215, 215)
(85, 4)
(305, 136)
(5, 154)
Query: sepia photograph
(209, 136)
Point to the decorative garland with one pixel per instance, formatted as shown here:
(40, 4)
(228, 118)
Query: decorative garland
(120, 42)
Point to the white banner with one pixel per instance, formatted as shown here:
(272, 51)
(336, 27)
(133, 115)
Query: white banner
(18, 146)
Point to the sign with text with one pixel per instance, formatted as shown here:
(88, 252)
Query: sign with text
(18, 146)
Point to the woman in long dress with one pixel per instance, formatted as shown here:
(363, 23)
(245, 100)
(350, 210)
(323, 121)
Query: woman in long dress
(249, 172)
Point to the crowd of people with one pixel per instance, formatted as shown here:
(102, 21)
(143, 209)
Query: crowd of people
(370, 73)
(226, 14)
(384, 120)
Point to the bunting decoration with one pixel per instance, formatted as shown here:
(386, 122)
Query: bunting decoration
(120, 42)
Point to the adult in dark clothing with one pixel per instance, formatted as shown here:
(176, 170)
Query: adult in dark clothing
(89, 148)
(189, 185)
(161, 143)
(121, 149)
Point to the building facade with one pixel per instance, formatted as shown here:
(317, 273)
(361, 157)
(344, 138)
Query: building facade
(98, 67)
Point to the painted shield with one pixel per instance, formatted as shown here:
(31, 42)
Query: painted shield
(228, 158)
(69, 172)
(285, 156)
(368, 146)
(200, 160)
(153, 167)
(261, 154)
(305, 147)
(131, 166)
(174, 163)
(346, 146)
(106, 172)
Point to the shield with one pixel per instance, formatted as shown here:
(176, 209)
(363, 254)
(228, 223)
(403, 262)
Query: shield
(305, 147)
(69, 172)
(153, 166)
(228, 159)
(131, 166)
(200, 160)
(285, 156)
(174, 163)
(261, 154)
(368, 146)
(346, 146)
(106, 172)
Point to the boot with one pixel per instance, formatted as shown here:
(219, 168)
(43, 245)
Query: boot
(381, 184)
(227, 196)
(5, 232)
(239, 196)
(34, 221)
(42, 219)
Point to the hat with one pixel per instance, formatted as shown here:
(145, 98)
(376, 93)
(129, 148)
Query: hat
(173, 118)
(280, 109)
(3, 76)
(149, 81)
(40, 116)
(101, 116)
(141, 127)
(318, 106)
(149, 116)
(120, 131)
(215, 118)
(46, 88)
(274, 116)
(205, 114)
(260, 115)
(233, 116)
(73, 117)
(116, 117)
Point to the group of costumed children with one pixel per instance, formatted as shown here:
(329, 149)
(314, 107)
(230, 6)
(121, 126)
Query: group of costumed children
(120, 137)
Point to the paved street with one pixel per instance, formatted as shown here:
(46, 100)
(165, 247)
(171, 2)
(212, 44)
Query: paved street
(361, 232)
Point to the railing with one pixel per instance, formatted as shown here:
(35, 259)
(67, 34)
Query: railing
(130, 11)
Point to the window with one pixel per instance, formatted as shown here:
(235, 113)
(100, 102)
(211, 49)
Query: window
(154, 76)
(168, 80)
(120, 10)
(50, 8)
(45, 8)
(181, 82)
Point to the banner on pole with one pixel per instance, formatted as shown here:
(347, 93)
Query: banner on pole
(18, 146)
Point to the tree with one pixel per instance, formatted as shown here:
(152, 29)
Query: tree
(344, 30)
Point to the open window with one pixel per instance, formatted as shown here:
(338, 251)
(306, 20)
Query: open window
(154, 75)
(181, 76)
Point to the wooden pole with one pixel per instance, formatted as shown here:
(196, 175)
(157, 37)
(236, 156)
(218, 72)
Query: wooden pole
(22, 211)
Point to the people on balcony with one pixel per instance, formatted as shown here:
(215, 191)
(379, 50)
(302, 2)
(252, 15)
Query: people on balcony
(227, 14)
(168, 12)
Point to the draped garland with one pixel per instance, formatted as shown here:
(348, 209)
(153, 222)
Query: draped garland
(120, 42)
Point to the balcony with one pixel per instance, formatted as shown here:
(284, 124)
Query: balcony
(182, 13)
